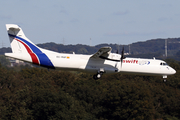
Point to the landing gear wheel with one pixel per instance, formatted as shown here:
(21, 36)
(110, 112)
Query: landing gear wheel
(164, 80)
(97, 76)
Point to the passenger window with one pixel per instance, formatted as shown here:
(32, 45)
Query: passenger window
(160, 63)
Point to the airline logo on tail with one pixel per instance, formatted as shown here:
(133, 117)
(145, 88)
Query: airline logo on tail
(37, 56)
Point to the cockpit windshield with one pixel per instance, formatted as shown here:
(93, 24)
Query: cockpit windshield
(163, 64)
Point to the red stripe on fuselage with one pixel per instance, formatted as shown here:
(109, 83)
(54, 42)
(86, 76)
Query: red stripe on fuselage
(34, 58)
(33, 55)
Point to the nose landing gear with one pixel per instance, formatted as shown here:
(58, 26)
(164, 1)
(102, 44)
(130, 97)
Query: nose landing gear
(164, 77)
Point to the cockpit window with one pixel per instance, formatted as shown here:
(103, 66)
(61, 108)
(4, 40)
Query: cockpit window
(163, 63)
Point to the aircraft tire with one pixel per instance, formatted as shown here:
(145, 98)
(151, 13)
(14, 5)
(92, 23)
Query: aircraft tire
(98, 75)
(95, 77)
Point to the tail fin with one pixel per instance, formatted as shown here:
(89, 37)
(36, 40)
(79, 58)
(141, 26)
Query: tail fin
(19, 42)
(24, 49)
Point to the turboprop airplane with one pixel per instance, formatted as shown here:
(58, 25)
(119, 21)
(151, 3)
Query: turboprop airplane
(103, 61)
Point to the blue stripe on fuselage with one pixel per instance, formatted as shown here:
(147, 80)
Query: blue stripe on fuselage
(43, 58)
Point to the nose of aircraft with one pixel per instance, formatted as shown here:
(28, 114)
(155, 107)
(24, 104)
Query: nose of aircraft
(173, 71)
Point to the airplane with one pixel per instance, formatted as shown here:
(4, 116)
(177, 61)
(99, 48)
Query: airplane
(103, 61)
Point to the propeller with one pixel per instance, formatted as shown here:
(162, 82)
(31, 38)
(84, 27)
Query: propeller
(122, 56)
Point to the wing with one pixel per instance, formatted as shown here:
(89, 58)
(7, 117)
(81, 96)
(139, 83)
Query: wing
(104, 51)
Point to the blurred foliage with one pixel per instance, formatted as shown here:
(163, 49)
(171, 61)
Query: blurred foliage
(41, 94)
(4, 62)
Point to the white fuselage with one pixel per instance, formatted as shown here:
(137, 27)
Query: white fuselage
(103, 61)
(86, 63)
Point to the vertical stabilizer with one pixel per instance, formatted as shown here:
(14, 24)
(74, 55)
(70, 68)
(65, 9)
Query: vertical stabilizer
(17, 38)
(24, 49)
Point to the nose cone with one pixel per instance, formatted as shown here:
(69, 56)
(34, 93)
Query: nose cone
(173, 71)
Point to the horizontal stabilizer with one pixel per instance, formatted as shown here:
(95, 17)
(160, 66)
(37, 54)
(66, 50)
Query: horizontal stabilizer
(19, 56)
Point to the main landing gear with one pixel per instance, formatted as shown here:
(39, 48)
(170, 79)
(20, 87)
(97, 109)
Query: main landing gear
(99, 74)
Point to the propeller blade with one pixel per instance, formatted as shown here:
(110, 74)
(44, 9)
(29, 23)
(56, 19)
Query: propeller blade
(122, 56)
